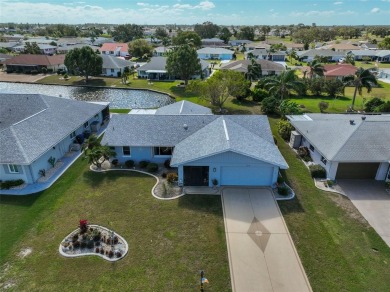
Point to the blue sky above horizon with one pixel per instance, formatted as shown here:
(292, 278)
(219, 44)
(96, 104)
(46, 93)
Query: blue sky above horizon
(222, 12)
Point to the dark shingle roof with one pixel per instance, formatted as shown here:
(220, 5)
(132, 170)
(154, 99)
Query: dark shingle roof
(183, 108)
(112, 62)
(31, 124)
(242, 65)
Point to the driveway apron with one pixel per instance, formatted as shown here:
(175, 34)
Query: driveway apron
(262, 256)
(372, 201)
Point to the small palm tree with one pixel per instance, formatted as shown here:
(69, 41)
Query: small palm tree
(254, 71)
(99, 154)
(316, 68)
(90, 143)
(293, 55)
(363, 78)
(283, 84)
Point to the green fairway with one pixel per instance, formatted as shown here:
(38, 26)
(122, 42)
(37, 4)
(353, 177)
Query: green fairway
(337, 247)
(169, 241)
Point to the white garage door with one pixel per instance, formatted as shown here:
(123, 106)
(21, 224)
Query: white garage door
(246, 175)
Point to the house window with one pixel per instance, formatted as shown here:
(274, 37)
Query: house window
(163, 151)
(126, 151)
(13, 168)
(323, 160)
(86, 124)
(112, 70)
(72, 135)
(311, 147)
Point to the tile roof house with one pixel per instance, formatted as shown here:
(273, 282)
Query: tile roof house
(115, 49)
(155, 70)
(347, 146)
(267, 67)
(35, 127)
(27, 63)
(114, 66)
(335, 71)
(234, 150)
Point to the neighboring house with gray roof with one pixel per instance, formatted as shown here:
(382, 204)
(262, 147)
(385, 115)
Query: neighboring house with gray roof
(309, 55)
(114, 66)
(264, 54)
(35, 127)
(348, 146)
(234, 150)
(209, 53)
(267, 67)
(155, 70)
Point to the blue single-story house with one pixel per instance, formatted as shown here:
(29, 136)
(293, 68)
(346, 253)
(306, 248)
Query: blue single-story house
(35, 127)
(264, 54)
(215, 54)
(235, 150)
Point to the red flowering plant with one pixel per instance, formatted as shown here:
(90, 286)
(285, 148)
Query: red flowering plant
(83, 226)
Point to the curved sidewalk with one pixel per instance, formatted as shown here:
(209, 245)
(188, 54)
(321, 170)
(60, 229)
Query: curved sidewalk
(262, 255)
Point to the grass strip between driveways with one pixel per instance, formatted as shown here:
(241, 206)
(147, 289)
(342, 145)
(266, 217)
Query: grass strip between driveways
(169, 241)
(338, 251)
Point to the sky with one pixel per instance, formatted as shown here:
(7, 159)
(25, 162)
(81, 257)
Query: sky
(221, 12)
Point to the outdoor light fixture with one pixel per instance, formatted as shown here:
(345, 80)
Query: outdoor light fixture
(214, 169)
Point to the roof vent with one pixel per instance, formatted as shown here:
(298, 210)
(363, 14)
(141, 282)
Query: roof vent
(185, 126)
(363, 118)
(351, 122)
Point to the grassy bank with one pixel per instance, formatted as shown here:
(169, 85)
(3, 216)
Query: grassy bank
(339, 250)
(169, 241)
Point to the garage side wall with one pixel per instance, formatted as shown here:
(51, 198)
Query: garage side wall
(230, 159)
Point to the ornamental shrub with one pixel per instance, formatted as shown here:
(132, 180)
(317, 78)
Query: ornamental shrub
(172, 177)
(284, 129)
(283, 191)
(152, 167)
(6, 185)
(317, 171)
(129, 163)
(143, 164)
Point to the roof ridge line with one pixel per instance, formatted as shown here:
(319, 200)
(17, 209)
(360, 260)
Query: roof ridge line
(182, 105)
(226, 130)
(346, 140)
(19, 144)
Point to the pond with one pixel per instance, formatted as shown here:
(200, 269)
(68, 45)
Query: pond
(118, 98)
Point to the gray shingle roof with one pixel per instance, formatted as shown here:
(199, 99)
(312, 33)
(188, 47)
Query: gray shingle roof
(156, 63)
(31, 124)
(249, 135)
(222, 135)
(208, 50)
(112, 62)
(321, 52)
(337, 140)
(242, 65)
(183, 108)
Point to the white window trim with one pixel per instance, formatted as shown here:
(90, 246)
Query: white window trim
(123, 152)
(12, 168)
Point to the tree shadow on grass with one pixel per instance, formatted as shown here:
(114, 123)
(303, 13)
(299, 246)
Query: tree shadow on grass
(96, 179)
(24, 201)
(204, 203)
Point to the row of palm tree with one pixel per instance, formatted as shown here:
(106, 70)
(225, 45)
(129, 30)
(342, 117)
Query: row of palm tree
(287, 82)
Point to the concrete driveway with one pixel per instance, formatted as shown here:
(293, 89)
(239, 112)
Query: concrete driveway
(262, 256)
(372, 201)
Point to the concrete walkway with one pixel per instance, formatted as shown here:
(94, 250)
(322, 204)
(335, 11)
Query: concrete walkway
(372, 201)
(262, 256)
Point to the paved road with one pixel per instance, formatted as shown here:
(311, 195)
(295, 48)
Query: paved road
(262, 256)
(372, 201)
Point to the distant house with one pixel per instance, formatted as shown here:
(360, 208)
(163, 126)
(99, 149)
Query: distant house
(347, 146)
(115, 49)
(236, 150)
(239, 42)
(161, 51)
(331, 55)
(9, 45)
(114, 66)
(295, 47)
(340, 47)
(29, 63)
(155, 70)
(213, 42)
(215, 54)
(266, 55)
(267, 67)
(45, 49)
(383, 56)
(368, 46)
(66, 49)
(335, 71)
(4, 58)
(36, 127)
(360, 54)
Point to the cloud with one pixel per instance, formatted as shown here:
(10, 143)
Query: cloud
(338, 3)
(204, 5)
(375, 10)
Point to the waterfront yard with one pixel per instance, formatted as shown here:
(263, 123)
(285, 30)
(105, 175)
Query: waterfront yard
(169, 241)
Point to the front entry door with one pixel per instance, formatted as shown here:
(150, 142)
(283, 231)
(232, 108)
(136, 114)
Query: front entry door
(196, 175)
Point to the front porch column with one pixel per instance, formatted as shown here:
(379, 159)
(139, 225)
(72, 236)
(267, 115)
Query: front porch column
(180, 174)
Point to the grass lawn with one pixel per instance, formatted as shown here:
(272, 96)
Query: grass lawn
(337, 247)
(169, 241)
(372, 65)
(340, 104)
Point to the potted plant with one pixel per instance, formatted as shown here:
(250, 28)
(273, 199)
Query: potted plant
(214, 182)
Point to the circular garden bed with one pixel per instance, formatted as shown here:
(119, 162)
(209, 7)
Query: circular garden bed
(94, 240)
